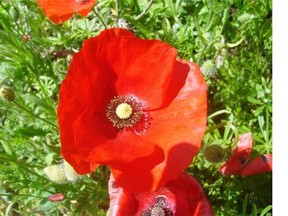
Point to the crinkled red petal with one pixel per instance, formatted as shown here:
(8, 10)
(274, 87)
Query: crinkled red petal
(80, 90)
(179, 128)
(142, 67)
(60, 11)
(121, 203)
(239, 156)
(100, 142)
(193, 193)
(260, 164)
(184, 196)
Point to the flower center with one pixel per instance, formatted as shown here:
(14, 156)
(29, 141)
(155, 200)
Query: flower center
(157, 211)
(124, 111)
(127, 112)
(160, 208)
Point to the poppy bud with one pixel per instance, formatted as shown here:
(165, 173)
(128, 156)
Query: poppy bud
(7, 93)
(214, 153)
(56, 197)
(56, 173)
(209, 68)
(70, 173)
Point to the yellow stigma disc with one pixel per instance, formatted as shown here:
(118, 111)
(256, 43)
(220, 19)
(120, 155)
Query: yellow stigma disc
(124, 111)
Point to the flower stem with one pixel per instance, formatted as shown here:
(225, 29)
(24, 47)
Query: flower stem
(33, 114)
(116, 11)
(145, 11)
(101, 20)
(231, 126)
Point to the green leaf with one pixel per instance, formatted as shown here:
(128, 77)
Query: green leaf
(30, 132)
(254, 101)
(266, 210)
(232, 45)
(244, 205)
(254, 210)
(8, 147)
(259, 110)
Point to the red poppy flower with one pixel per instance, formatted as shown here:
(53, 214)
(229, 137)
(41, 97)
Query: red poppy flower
(260, 164)
(239, 156)
(130, 104)
(179, 197)
(238, 162)
(60, 11)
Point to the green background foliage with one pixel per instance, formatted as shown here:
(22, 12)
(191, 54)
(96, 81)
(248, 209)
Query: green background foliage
(230, 40)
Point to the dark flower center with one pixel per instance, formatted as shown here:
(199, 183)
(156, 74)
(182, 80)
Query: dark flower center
(159, 209)
(242, 160)
(265, 158)
(127, 112)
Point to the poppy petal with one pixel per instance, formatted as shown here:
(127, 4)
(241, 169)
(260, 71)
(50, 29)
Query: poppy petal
(101, 143)
(260, 164)
(179, 128)
(60, 11)
(56, 197)
(146, 75)
(68, 109)
(78, 94)
(194, 195)
(179, 139)
(239, 156)
(120, 203)
(182, 196)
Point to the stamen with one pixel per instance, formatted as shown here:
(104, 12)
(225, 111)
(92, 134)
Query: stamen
(127, 112)
(157, 211)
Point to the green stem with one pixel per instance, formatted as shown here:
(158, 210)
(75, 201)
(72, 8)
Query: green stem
(101, 20)
(215, 127)
(145, 11)
(267, 126)
(116, 11)
(23, 195)
(22, 165)
(231, 126)
(33, 114)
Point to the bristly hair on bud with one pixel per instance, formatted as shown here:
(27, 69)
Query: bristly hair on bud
(7, 93)
(214, 153)
(70, 173)
(209, 68)
(61, 173)
(56, 174)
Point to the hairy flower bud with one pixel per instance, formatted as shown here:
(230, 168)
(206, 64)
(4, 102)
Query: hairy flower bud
(7, 93)
(56, 173)
(209, 69)
(214, 153)
(70, 173)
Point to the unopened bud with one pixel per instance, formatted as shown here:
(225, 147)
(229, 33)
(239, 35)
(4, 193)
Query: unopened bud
(214, 153)
(7, 93)
(70, 173)
(56, 173)
(209, 68)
